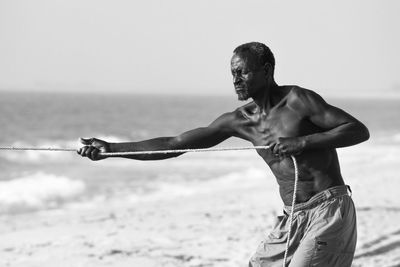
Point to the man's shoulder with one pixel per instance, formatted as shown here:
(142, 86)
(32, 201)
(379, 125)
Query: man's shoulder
(227, 118)
(300, 97)
(240, 114)
(298, 93)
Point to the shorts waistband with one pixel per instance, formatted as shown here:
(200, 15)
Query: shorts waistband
(333, 192)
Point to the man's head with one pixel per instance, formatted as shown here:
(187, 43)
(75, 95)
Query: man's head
(252, 67)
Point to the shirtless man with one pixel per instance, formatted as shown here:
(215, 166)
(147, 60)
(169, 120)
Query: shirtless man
(292, 121)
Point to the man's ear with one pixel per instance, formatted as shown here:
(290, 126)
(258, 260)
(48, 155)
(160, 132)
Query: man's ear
(268, 68)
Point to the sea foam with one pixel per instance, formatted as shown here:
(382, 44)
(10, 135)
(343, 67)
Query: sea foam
(37, 191)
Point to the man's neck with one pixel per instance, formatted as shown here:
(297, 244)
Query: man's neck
(265, 100)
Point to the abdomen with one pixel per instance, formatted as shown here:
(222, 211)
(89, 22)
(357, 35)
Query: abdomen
(318, 170)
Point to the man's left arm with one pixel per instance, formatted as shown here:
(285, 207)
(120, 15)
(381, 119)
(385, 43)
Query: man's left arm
(339, 129)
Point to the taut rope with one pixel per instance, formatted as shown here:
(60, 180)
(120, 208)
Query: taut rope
(37, 148)
(137, 152)
(296, 173)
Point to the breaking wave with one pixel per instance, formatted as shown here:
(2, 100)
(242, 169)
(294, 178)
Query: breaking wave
(38, 191)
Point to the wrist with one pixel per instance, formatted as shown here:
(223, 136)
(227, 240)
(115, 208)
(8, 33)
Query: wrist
(112, 147)
(304, 142)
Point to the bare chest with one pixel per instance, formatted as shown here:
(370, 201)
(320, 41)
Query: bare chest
(259, 128)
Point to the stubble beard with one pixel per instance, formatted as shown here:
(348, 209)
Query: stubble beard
(243, 95)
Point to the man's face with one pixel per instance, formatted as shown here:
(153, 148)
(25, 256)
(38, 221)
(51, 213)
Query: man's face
(248, 78)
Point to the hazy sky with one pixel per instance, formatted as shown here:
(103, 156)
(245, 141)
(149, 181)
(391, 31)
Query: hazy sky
(168, 46)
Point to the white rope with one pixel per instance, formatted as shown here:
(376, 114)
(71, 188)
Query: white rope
(37, 148)
(296, 178)
(138, 152)
(182, 151)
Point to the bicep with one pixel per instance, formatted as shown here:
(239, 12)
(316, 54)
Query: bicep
(203, 137)
(325, 115)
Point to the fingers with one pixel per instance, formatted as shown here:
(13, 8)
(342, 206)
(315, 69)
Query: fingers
(82, 151)
(279, 150)
(92, 148)
(90, 152)
(94, 155)
(275, 149)
(286, 146)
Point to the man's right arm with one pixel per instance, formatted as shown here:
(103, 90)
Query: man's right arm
(203, 137)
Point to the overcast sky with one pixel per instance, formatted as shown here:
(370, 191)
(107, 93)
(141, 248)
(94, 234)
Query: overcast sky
(170, 46)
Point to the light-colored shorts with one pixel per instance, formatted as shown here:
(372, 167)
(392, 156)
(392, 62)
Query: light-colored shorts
(323, 233)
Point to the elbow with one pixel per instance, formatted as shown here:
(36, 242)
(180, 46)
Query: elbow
(364, 133)
(359, 133)
(367, 135)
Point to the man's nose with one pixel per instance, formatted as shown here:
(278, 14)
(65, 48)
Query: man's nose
(236, 79)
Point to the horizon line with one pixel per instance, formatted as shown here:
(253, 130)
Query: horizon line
(361, 95)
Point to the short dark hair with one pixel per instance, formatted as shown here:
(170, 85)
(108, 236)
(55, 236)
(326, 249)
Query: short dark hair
(261, 52)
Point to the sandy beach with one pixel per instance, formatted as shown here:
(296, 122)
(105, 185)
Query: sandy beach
(217, 227)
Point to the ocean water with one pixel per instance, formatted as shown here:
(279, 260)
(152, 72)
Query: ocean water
(32, 181)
